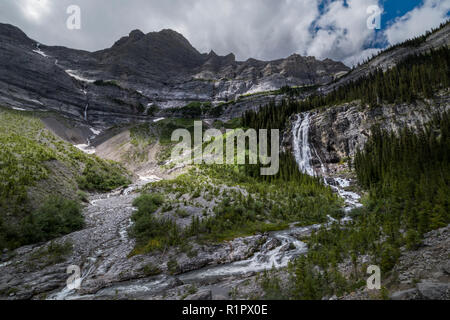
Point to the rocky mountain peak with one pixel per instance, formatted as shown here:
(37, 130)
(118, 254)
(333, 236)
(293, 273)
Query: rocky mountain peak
(212, 54)
(230, 57)
(171, 38)
(295, 56)
(157, 55)
(163, 39)
(133, 37)
(136, 34)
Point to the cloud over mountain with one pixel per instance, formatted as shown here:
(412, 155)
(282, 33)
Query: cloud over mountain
(263, 29)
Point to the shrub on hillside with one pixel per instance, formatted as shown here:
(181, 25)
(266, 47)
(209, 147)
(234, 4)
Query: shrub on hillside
(56, 217)
(150, 231)
(101, 177)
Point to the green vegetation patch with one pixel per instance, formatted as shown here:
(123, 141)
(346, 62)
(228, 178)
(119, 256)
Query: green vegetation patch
(52, 254)
(55, 217)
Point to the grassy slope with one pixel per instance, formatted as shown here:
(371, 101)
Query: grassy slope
(35, 164)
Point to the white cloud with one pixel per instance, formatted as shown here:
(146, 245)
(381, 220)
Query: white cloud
(262, 29)
(34, 10)
(418, 21)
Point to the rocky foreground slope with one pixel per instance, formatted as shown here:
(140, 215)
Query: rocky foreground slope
(422, 274)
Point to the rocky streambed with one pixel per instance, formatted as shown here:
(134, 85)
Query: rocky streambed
(102, 252)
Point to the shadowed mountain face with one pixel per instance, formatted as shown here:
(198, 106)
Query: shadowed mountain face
(160, 56)
(118, 84)
(169, 57)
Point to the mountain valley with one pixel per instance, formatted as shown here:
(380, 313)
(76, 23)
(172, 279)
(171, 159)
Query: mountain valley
(87, 178)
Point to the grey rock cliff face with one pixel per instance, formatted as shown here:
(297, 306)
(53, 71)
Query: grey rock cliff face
(33, 78)
(160, 68)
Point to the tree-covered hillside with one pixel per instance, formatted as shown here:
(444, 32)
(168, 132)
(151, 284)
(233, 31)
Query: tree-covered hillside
(408, 176)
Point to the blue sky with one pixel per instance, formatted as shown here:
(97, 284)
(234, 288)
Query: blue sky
(262, 29)
(394, 10)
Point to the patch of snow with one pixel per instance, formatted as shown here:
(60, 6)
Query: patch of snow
(340, 74)
(158, 120)
(36, 101)
(40, 52)
(151, 178)
(75, 75)
(19, 109)
(262, 87)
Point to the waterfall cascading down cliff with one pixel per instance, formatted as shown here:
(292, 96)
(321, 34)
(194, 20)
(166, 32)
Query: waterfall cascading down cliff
(302, 150)
(303, 153)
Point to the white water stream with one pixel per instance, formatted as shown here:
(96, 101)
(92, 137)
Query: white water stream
(277, 255)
